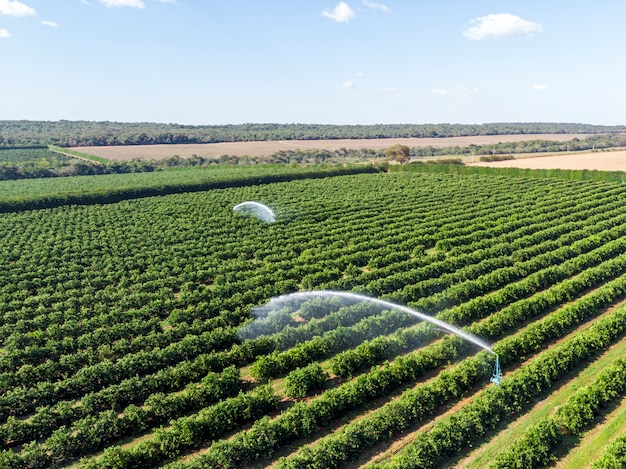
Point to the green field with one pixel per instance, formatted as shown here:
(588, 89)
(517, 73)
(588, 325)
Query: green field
(120, 323)
(32, 154)
(50, 192)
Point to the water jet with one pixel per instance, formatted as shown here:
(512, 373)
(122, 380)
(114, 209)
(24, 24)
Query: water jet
(256, 209)
(497, 372)
(276, 314)
(280, 302)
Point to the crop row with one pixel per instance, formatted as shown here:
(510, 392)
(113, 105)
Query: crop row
(28, 375)
(145, 282)
(107, 312)
(450, 434)
(7, 315)
(467, 426)
(522, 307)
(452, 384)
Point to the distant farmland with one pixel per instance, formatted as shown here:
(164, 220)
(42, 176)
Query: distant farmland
(601, 161)
(158, 152)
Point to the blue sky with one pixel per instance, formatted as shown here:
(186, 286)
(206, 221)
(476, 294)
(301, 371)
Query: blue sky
(326, 62)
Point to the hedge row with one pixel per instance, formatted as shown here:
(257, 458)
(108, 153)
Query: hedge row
(108, 196)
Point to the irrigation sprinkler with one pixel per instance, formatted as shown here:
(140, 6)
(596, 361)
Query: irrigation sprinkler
(497, 372)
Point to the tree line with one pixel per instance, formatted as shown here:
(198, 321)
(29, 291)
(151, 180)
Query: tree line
(28, 162)
(90, 133)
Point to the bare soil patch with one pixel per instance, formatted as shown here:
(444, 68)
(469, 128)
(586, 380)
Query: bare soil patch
(599, 160)
(215, 150)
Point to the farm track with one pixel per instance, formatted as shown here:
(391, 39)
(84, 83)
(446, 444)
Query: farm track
(511, 242)
(78, 157)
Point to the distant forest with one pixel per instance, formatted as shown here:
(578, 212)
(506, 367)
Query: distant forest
(87, 133)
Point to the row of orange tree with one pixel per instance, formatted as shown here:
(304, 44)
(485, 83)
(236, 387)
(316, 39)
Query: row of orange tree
(118, 318)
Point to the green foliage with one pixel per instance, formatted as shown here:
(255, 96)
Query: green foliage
(538, 446)
(303, 380)
(463, 428)
(87, 190)
(497, 158)
(120, 322)
(87, 133)
(614, 456)
(189, 432)
(331, 342)
(506, 150)
(534, 450)
(30, 154)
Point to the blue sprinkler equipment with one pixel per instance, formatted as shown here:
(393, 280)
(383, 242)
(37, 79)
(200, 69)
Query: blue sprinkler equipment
(497, 372)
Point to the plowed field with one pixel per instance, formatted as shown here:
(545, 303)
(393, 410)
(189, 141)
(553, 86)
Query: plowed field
(158, 152)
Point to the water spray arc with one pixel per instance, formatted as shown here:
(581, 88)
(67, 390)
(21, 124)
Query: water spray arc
(281, 301)
(256, 209)
(388, 304)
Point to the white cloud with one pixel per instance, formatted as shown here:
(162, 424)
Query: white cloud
(466, 89)
(15, 8)
(342, 13)
(124, 3)
(52, 24)
(500, 25)
(360, 74)
(387, 89)
(348, 84)
(376, 6)
(539, 87)
(4, 34)
(439, 91)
